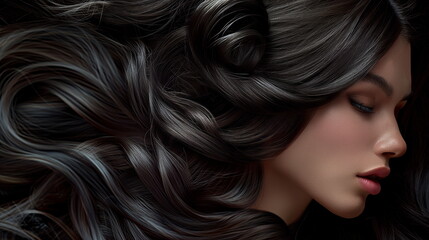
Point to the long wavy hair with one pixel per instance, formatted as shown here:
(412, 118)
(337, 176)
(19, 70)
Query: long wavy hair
(148, 119)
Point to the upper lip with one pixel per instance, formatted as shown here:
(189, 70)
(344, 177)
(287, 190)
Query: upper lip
(376, 174)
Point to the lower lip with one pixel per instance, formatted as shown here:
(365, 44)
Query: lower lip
(372, 187)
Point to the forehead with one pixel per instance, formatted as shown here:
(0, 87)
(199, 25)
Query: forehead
(395, 66)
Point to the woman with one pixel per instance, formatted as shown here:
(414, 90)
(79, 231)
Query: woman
(198, 119)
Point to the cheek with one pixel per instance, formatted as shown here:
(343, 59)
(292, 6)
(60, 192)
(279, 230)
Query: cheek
(336, 130)
(329, 151)
(324, 159)
(333, 137)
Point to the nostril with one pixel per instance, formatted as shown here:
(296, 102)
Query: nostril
(397, 152)
(391, 144)
(389, 155)
(401, 149)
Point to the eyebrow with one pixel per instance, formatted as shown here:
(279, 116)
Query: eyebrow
(382, 83)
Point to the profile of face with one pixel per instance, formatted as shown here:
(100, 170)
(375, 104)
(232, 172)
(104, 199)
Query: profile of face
(339, 156)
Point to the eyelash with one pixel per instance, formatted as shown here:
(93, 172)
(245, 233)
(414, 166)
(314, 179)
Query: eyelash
(361, 107)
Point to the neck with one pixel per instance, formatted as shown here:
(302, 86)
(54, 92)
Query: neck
(281, 196)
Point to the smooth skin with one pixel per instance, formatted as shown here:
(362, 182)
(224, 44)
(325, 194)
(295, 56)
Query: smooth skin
(354, 133)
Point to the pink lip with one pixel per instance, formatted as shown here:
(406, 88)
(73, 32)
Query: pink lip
(372, 187)
(381, 172)
(370, 180)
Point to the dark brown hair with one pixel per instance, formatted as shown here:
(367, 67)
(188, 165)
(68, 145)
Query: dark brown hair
(148, 119)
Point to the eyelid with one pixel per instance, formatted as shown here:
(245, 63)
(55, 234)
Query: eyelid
(361, 107)
(400, 106)
(402, 103)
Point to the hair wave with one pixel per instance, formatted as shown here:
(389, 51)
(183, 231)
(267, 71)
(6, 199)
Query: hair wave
(148, 119)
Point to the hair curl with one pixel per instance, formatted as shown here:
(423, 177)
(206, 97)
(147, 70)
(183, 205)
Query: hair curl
(148, 119)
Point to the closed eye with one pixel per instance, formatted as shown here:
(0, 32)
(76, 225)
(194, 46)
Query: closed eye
(361, 107)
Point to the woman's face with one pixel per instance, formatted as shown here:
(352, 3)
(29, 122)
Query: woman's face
(349, 138)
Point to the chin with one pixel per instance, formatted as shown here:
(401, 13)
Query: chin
(350, 213)
(349, 210)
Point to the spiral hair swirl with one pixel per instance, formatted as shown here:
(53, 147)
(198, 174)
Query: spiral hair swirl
(148, 119)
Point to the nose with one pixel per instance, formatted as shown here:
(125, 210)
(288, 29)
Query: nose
(391, 144)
